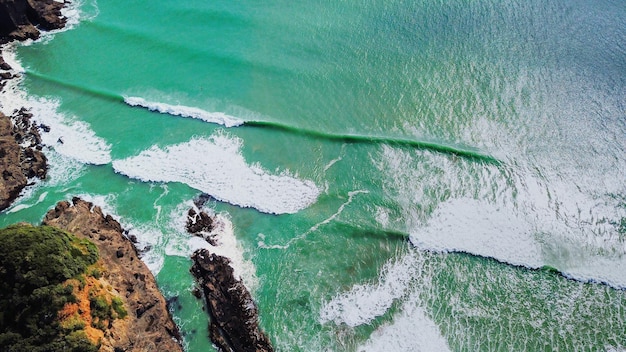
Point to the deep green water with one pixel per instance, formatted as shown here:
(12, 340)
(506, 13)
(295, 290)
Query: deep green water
(390, 175)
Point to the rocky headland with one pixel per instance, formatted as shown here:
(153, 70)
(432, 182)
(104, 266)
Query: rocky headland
(116, 306)
(148, 325)
(233, 314)
(112, 303)
(21, 157)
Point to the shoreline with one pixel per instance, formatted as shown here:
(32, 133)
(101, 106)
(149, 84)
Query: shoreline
(22, 162)
(237, 326)
(22, 158)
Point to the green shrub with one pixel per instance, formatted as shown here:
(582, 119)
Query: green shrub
(77, 341)
(82, 281)
(96, 273)
(100, 308)
(102, 311)
(34, 264)
(73, 323)
(118, 307)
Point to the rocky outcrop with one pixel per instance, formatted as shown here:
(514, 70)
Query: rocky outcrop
(201, 225)
(22, 19)
(20, 144)
(20, 155)
(233, 314)
(148, 326)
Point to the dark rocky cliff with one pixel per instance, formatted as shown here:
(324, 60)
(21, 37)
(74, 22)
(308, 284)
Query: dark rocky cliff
(22, 19)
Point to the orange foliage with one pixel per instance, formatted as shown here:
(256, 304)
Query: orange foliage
(82, 309)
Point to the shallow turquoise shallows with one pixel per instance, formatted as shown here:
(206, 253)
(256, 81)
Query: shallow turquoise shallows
(387, 175)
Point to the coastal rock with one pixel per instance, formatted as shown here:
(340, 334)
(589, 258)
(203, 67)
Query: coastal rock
(201, 225)
(20, 155)
(20, 19)
(3, 64)
(233, 313)
(148, 326)
(20, 143)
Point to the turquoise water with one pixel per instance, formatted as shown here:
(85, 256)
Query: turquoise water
(388, 175)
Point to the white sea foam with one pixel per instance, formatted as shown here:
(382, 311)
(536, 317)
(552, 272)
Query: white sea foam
(62, 169)
(261, 243)
(510, 214)
(216, 166)
(185, 111)
(337, 159)
(364, 302)
(68, 136)
(149, 241)
(480, 228)
(223, 233)
(396, 282)
(22, 206)
(156, 206)
(614, 349)
(410, 331)
(19, 207)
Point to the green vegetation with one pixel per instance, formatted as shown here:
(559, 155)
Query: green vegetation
(118, 307)
(102, 311)
(96, 273)
(34, 264)
(74, 323)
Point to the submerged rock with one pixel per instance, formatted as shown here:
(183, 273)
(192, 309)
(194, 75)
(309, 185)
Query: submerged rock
(233, 313)
(148, 326)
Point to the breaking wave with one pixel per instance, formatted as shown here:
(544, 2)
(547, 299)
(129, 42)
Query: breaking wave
(216, 166)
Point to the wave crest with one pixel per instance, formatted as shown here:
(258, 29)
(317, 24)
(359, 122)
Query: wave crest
(185, 111)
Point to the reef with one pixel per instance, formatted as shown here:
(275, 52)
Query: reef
(148, 325)
(233, 314)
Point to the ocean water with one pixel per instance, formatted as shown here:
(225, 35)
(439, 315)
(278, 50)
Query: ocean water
(388, 175)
